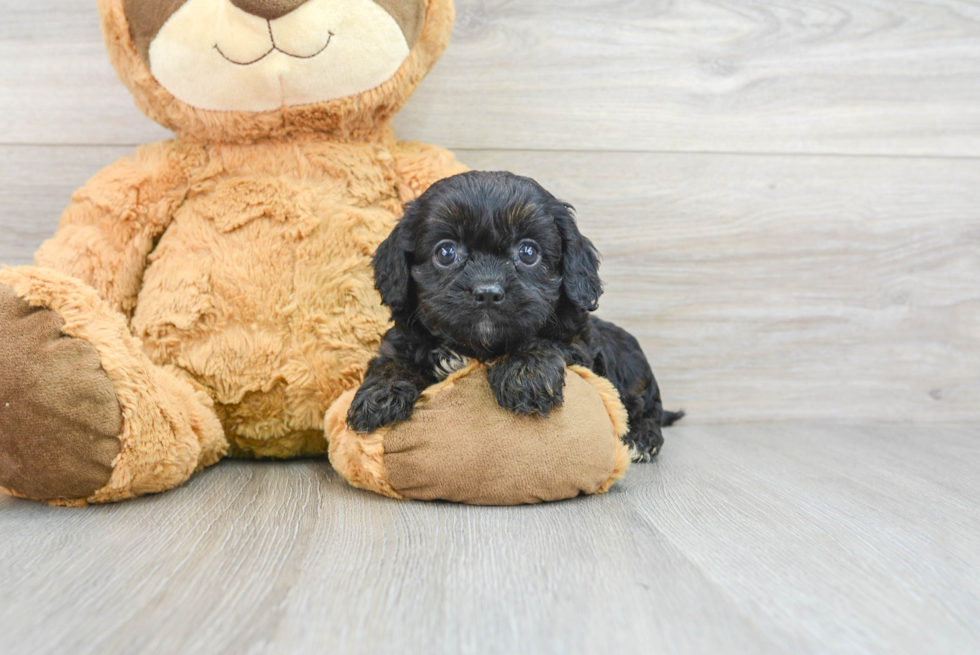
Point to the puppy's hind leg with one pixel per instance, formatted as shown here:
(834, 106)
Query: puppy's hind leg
(644, 440)
(645, 436)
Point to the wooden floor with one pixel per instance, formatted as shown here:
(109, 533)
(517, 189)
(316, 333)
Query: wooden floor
(750, 539)
(785, 195)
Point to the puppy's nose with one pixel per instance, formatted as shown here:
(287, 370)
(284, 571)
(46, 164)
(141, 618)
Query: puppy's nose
(268, 9)
(489, 294)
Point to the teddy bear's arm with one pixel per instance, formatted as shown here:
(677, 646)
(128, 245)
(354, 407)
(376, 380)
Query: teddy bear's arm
(112, 223)
(419, 165)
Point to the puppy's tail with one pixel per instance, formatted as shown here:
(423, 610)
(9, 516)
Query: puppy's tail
(672, 417)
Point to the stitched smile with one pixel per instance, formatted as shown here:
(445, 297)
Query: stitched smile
(274, 48)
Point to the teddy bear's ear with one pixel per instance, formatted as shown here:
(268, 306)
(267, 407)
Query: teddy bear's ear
(391, 262)
(580, 261)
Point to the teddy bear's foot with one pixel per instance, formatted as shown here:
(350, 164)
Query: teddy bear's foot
(59, 416)
(85, 417)
(461, 445)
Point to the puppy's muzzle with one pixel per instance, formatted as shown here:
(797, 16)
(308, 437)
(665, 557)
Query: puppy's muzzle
(488, 295)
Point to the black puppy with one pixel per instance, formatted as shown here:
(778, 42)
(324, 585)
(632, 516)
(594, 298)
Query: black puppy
(491, 266)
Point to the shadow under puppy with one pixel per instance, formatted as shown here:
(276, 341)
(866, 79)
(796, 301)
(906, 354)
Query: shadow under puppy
(491, 266)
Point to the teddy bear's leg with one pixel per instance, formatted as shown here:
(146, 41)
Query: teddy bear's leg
(85, 416)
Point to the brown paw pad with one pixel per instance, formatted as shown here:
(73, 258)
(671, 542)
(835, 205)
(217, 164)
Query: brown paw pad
(59, 416)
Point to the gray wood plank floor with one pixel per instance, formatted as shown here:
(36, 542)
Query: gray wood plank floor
(751, 539)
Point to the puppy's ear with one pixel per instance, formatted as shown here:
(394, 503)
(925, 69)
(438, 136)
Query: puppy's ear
(580, 261)
(391, 267)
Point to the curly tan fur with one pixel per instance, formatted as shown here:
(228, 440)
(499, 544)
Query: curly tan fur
(240, 252)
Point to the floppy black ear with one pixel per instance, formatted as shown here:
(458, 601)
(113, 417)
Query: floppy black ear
(580, 261)
(391, 268)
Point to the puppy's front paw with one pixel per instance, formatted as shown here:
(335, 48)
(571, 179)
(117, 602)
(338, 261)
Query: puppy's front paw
(529, 383)
(380, 403)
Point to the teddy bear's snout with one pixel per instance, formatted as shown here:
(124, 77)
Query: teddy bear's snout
(261, 55)
(253, 29)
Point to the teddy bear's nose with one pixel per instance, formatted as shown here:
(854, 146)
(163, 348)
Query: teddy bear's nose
(268, 9)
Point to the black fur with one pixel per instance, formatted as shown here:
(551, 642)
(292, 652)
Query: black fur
(526, 320)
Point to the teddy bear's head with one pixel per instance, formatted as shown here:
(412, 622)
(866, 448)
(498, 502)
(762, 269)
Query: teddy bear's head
(238, 70)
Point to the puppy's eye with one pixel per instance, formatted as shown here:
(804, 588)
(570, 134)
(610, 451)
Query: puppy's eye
(446, 253)
(528, 253)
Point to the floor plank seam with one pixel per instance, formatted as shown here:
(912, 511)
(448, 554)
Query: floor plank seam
(603, 151)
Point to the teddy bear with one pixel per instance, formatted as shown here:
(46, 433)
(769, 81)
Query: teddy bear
(212, 295)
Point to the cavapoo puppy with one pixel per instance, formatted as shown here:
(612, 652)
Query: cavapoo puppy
(491, 266)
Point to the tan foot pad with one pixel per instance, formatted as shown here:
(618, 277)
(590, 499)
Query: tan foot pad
(460, 445)
(59, 415)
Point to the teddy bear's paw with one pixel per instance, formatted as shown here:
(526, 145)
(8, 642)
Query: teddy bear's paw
(380, 404)
(60, 418)
(529, 384)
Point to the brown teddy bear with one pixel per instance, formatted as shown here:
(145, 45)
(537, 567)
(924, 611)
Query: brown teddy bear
(212, 295)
